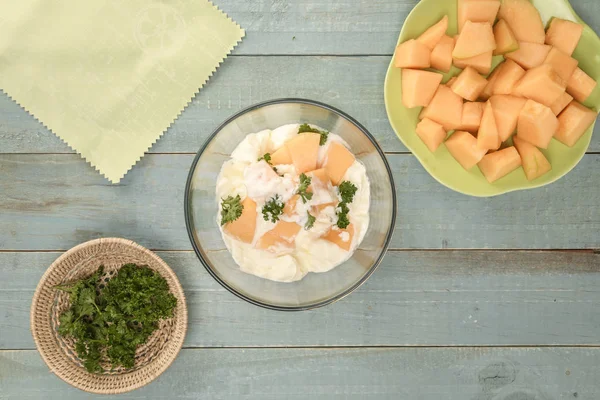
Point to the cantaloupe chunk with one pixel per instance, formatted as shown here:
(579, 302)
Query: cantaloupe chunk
(524, 20)
(281, 156)
(432, 36)
(508, 77)
(505, 38)
(563, 64)
(507, 109)
(499, 163)
(489, 88)
(445, 108)
(541, 84)
(581, 85)
(441, 56)
(431, 133)
(529, 55)
(475, 39)
(471, 116)
(469, 84)
(537, 124)
(477, 11)
(341, 237)
(321, 175)
(418, 87)
(282, 235)
(561, 103)
(482, 63)
(337, 162)
(535, 164)
(573, 122)
(412, 54)
(243, 228)
(304, 151)
(463, 147)
(289, 208)
(487, 137)
(564, 35)
(451, 81)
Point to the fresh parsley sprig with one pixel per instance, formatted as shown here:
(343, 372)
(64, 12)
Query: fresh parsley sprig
(231, 209)
(307, 128)
(273, 209)
(303, 188)
(347, 191)
(311, 221)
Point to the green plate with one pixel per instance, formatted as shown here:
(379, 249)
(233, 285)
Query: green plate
(441, 165)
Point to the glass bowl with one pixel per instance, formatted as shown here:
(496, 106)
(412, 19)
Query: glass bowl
(201, 207)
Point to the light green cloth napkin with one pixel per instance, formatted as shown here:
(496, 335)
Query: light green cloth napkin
(109, 76)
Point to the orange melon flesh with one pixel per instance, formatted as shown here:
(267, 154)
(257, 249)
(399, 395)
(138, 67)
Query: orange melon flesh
(505, 38)
(499, 163)
(432, 36)
(471, 116)
(489, 88)
(281, 156)
(482, 63)
(529, 55)
(564, 35)
(524, 20)
(573, 122)
(581, 85)
(476, 38)
(441, 56)
(337, 162)
(282, 235)
(321, 175)
(507, 109)
(431, 133)
(563, 64)
(243, 228)
(290, 206)
(469, 84)
(537, 124)
(487, 137)
(337, 236)
(418, 87)
(561, 103)
(508, 77)
(451, 81)
(463, 147)
(541, 84)
(535, 164)
(445, 108)
(412, 54)
(304, 151)
(477, 11)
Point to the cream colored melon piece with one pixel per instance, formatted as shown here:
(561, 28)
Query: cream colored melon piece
(537, 124)
(487, 137)
(281, 156)
(573, 122)
(469, 84)
(541, 84)
(412, 54)
(477, 11)
(563, 64)
(535, 164)
(500, 163)
(564, 35)
(431, 133)
(445, 108)
(507, 109)
(488, 90)
(304, 151)
(508, 77)
(524, 20)
(341, 237)
(441, 56)
(529, 55)
(337, 162)
(561, 103)
(463, 147)
(418, 87)
(476, 38)
(243, 228)
(432, 36)
(290, 206)
(482, 63)
(282, 235)
(581, 85)
(505, 38)
(471, 116)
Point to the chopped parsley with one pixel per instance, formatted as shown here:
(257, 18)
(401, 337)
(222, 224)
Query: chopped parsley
(273, 209)
(303, 188)
(342, 214)
(347, 191)
(311, 221)
(231, 209)
(307, 128)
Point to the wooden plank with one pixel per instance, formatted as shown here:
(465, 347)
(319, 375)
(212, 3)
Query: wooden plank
(264, 374)
(353, 84)
(53, 202)
(416, 298)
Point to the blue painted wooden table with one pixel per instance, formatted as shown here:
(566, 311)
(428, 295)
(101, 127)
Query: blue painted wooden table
(478, 299)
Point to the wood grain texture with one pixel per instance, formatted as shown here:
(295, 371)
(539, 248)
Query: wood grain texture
(273, 374)
(433, 298)
(353, 84)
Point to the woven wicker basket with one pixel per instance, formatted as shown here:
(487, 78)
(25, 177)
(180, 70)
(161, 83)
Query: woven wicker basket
(152, 359)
